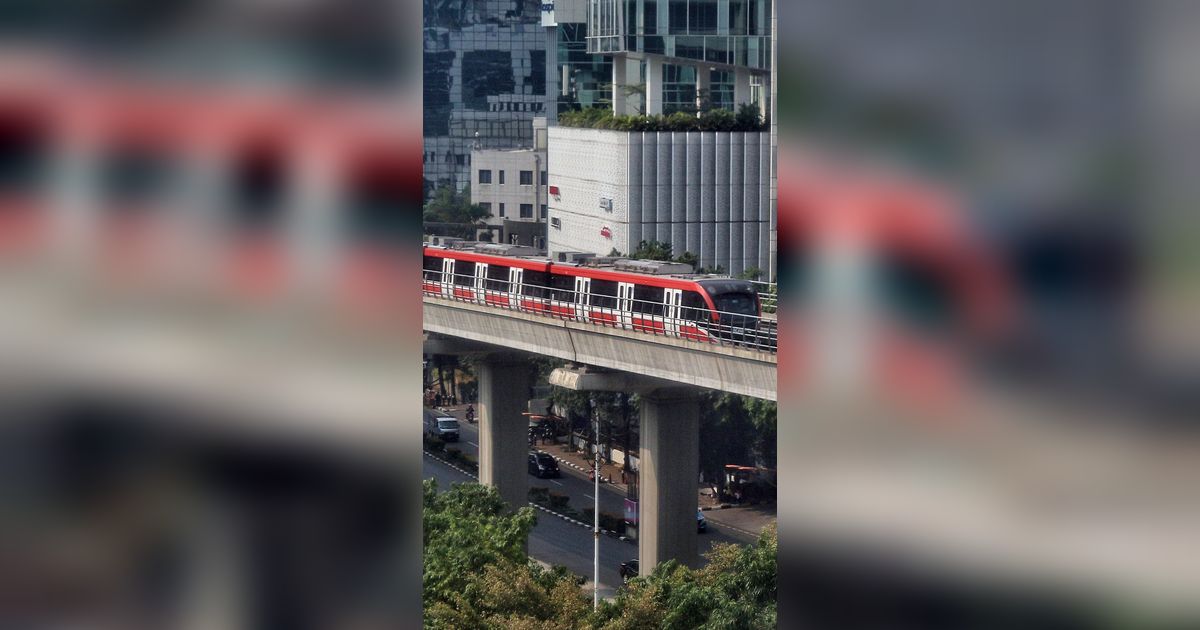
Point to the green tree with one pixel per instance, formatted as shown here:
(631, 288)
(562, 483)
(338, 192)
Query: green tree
(735, 590)
(652, 250)
(751, 273)
(476, 572)
(688, 258)
(453, 212)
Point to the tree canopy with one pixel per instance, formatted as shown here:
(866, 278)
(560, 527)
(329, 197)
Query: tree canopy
(736, 590)
(453, 213)
(478, 576)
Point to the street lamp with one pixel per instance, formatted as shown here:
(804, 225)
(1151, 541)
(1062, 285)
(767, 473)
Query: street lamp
(595, 508)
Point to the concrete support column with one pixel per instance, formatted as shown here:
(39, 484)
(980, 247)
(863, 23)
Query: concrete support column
(620, 81)
(654, 86)
(741, 87)
(503, 431)
(703, 87)
(668, 481)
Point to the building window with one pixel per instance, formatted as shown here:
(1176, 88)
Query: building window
(486, 205)
(543, 211)
(526, 178)
(501, 206)
(485, 176)
(543, 178)
(527, 209)
(501, 178)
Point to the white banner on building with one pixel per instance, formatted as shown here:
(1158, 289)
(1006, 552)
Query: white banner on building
(548, 14)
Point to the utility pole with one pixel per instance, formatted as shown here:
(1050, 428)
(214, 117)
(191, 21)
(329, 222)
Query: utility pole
(596, 512)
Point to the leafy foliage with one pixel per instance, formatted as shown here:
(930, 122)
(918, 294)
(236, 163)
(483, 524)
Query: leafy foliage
(738, 430)
(477, 576)
(476, 573)
(747, 119)
(736, 590)
(455, 210)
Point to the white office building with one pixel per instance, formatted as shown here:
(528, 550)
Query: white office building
(511, 185)
(707, 193)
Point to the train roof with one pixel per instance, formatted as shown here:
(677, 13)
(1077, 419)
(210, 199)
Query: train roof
(663, 272)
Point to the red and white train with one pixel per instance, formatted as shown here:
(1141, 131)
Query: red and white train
(645, 296)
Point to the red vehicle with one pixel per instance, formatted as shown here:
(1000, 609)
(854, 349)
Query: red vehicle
(646, 296)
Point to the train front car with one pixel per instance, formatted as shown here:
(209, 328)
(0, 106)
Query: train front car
(736, 310)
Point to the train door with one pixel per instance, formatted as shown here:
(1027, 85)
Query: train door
(672, 300)
(625, 304)
(516, 277)
(447, 277)
(583, 293)
(481, 270)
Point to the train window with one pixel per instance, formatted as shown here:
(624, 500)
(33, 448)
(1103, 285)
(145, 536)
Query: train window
(738, 303)
(604, 293)
(432, 268)
(562, 287)
(497, 278)
(534, 283)
(464, 273)
(647, 299)
(694, 307)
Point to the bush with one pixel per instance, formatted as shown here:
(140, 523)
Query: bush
(453, 454)
(558, 500)
(540, 495)
(746, 119)
(608, 520)
(434, 444)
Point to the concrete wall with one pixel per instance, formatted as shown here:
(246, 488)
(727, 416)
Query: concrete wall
(708, 193)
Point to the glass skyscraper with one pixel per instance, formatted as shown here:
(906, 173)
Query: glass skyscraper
(485, 79)
(729, 32)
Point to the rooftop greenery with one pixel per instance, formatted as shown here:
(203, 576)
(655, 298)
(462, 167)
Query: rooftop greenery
(747, 118)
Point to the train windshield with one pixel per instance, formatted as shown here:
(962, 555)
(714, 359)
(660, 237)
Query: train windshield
(738, 303)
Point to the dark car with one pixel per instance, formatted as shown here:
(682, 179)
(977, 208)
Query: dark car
(542, 465)
(628, 570)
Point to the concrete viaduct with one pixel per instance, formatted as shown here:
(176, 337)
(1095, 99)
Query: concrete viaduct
(668, 373)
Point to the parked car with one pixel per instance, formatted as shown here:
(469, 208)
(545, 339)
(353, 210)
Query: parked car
(439, 425)
(701, 522)
(628, 570)
(542, 465)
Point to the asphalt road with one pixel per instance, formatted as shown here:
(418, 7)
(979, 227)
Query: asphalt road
(576, 485)
(558, 542)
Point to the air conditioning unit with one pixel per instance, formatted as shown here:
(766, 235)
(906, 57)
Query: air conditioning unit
(556, 223)
(653, 267)
(574, 257)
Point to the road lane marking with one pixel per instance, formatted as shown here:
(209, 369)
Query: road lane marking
(589, 496)
(557, 482)
(472, 444)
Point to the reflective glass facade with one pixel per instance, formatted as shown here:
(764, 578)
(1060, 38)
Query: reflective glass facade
(588, 77)
(733, 32)
(484, 73)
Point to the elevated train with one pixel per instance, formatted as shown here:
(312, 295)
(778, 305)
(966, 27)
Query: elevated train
(644, 296)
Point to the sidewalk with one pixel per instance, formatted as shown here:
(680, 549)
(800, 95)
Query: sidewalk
(609, 473)
(749, 520)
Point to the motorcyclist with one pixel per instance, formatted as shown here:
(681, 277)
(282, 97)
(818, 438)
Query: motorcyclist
(470, 413)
